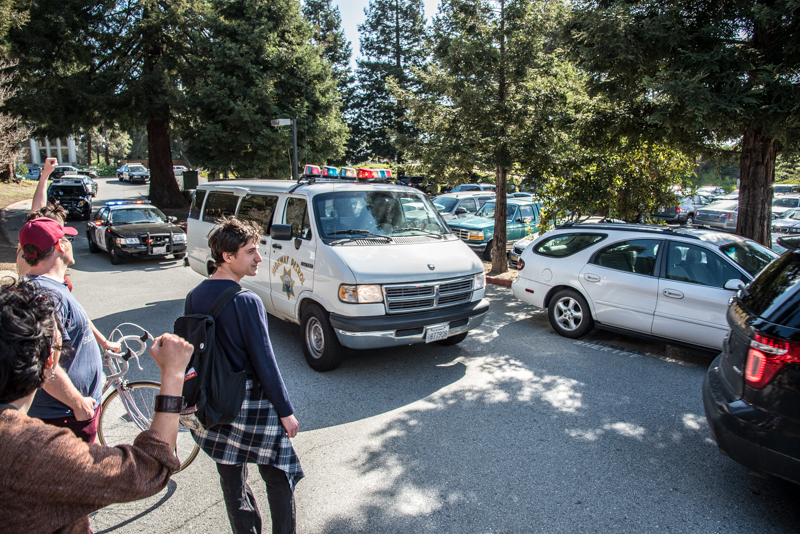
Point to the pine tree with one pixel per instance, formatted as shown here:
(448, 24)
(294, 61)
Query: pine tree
(392, 45)
(254, 63)
(697, 75)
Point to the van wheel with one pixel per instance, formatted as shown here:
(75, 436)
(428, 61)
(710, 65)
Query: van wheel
(453, 340)
(321, 347)
(487, 252)
(569, 314)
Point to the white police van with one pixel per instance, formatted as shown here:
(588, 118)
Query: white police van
(347, 262)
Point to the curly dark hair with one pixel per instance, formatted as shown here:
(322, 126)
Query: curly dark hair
(231, 235)
(51, 210)
(27, 325)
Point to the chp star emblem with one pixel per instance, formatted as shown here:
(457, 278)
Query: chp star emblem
(288, 283)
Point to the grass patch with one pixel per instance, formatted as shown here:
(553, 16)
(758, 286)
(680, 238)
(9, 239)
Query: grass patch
(11, 192)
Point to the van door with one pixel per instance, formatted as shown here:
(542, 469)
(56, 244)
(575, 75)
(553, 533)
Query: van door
(260, 209)
(291, 263)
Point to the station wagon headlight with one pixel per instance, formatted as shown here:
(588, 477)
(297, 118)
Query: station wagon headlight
(480, 281)
(127, 241)
(179, 238)
(475, 235)
(354, 294)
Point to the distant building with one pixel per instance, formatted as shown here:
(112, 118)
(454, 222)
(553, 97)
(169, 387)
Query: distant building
(42, 148)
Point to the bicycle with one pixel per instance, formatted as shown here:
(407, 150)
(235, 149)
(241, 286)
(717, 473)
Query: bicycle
(128, 410)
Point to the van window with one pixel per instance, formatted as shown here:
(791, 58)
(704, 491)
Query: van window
(258, 208)
(197, 203)
(219, 204)
(297, 216)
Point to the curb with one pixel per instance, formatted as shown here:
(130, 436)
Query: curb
(3, 221)
(498, 281)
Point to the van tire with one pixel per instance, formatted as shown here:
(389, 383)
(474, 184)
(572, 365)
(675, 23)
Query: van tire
(321, 347)
(453, 340)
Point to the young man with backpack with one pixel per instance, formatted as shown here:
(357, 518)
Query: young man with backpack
(260, 432)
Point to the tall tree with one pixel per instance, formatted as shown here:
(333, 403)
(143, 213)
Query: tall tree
(254, 63)
(13, 132)
(492, 97)
(392, 45)
(699, 75)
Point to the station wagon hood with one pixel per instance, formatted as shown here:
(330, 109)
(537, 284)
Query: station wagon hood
(410, 263)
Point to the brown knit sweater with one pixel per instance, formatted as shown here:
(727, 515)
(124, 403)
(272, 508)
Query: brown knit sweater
(50, 480)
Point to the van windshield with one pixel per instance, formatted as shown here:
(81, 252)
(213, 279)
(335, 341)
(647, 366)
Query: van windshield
(382, 213)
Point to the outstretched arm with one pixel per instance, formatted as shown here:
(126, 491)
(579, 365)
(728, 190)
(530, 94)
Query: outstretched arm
(40, 195)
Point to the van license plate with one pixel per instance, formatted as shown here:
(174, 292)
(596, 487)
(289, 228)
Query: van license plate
(437, 333)
(159, 250)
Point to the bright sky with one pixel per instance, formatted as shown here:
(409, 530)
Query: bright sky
(353, 14)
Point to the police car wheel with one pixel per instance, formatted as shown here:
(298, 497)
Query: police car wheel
(92, 247)
(321, 347)
(116, 258)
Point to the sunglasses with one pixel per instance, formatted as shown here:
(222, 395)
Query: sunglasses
(68, 237)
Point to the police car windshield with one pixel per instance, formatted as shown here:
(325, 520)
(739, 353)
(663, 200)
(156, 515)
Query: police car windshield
(383, 213)
(66, 190)
(136, 168)
(137, 216)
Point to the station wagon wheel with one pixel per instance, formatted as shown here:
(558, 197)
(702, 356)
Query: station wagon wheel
(569, 314)
(321, 347)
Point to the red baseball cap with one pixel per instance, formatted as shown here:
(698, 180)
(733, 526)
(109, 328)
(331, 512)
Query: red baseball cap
(43, 233)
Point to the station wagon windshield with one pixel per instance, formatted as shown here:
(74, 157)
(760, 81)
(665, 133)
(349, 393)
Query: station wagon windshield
(379, 213)
(137, 216)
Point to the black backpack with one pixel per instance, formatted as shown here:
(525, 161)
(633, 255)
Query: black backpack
(212, 390)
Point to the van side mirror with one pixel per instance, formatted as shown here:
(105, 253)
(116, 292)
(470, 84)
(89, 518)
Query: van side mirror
(734, 284)
(281, 232)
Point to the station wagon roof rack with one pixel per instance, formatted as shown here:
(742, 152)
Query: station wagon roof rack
(635, 227)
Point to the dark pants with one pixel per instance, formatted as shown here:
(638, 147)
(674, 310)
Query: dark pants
(86, 430)
(241, 505)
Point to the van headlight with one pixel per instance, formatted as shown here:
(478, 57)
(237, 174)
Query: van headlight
(353, 294)
(475, 235)
(127, 241)
(479, 281)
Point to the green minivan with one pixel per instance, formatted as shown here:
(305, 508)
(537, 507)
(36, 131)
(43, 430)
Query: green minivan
(477, 231)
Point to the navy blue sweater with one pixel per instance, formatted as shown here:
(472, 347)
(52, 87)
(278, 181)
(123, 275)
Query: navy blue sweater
(241, 330)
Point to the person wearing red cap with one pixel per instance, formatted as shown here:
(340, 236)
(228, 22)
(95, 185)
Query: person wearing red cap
(72, 398)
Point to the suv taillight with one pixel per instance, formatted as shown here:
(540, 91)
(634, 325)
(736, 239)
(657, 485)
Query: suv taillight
(678, 208)
(766, 357)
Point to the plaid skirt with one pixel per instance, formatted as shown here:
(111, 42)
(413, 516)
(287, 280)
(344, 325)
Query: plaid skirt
(255, 436)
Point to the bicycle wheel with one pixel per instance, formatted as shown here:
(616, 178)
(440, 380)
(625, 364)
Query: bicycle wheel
(124, 416)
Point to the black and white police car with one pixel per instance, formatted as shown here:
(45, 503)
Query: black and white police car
(134, 228)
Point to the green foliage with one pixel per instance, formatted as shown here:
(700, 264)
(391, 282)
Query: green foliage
(623, 184)
(253, 63)
(392, 46)
(787, 168)
(106, 170)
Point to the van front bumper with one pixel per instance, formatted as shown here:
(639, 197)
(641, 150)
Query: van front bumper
(408, 328)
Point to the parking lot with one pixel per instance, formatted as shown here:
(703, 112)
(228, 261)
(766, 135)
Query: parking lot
(514, 430)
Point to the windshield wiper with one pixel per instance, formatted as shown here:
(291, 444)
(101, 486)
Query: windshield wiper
(412, 229)
(358, 232)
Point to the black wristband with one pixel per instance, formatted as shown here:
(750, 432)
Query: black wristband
(168, 404)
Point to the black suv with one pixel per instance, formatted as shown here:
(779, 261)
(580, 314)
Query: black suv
(751, 393)
(74, 196)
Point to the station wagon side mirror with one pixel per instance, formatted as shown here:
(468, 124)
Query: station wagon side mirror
(734, 284)
(281, 232)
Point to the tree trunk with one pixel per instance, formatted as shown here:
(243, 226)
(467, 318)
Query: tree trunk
(757, 174)
(88, 148)
(499, 254)
(164, 189)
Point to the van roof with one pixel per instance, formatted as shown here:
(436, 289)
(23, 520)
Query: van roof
(243, 187)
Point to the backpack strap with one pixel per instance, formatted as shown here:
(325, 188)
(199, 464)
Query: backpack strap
(187, 306)
(223, 300)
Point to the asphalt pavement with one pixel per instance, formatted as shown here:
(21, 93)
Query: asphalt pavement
(514, 430)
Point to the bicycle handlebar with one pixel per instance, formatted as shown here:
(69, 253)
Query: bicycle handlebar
(140, 346)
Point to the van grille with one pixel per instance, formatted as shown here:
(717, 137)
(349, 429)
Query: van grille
(403, 298)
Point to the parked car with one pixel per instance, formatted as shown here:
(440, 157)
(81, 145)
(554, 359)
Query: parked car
(720, 215)
(711, 190)
(455, 205)
(90, 174)
(734, 195)
(33, 173)
(473, 187)
(684, 212)
(74, 196)
(477, 231)
(664, 283)
(782, 203)
(751, 392)
(177, 170)
(62, 170)
(788, 223)
(135, 172)
(134, 229)
(781, 189)
(91, 185)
